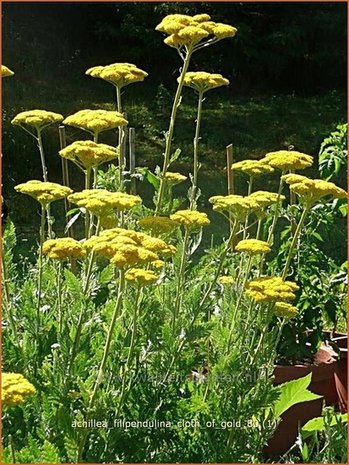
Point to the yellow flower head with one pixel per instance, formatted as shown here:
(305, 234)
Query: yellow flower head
(271, 289)
(265, 198)
(15, 389)
(202, 81)
(96, 121)
(225, 280)
(44, 192)
(253, 246)
(285, 310)
(190, 218)
(157, 224)
(252, 168)
(6, 72)
(102, 202)
(141, 277)
(312, 190)
(39, 119)
(174, 178)
(285, 160)
(88, 153)
(222, 31)
(118, 74)
(63, 249)
(236, 205)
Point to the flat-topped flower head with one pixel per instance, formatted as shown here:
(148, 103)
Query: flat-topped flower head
(190, 218)
(225, 280)
(285, 310)
(157, 224)
(38, 119)
(237, 206)
(265, 198)
(288, 160)
(15, 389)
(101, 202)
(118, 74)
(63, 248)
(312, 190)
(252, 168)
(174, 178)
(44, 192)
(253, 246)
(96, 121)
(89, 154)
(141, 277)
(271, 289)
(6, 72)
(202, 81)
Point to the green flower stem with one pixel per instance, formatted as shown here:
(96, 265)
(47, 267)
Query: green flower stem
(95, 173)
(8, 301)
(103, 363)
(259, 228)
(169, 136)
(196, 152)
(181, 273)
(87, 214)
(295, 239)
(45, 177)
(39, 285)
(59, 297)
(250, 185)
(124, 391)
(276, 213)
(121, 141)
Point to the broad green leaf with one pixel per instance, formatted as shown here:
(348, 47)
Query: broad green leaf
(293, 392)
(317, 424)
(149, 176)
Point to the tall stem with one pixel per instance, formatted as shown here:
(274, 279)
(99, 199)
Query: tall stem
(87, 214)
(179, 292)
(196, 152)
(45, 177)
(39, 285)
(8, 300)
(276, 212)
(169, 135)
(121, 141)
(59, 298)
(250, 184)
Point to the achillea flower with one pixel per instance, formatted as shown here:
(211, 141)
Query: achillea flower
(271, 289)
(15, 389)
(39, 119)
(253, 246)
(312, 190)
(44, 192)
(157, 224)
(6, 72)
(141, 277)
(108, 222)
(118, 74)
(225, 280)
(252, 168)
(96, 121)
(285, 160)
(222, 31)
(102, 203)
(174, 178)
(190, 218)
(285, 310)
(265, 198)
(202, 81)
(63, 248)
(236, 205)
(89, 154)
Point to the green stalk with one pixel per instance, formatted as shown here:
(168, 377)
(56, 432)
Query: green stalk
(8, 302)
(45, 177)
(276, 213)
(103, 363)
(39, 285)
(121, 141)
(87, 214)
(179, 291)
(250, 184)
(196, 152)
(169, 136)
(59, 297)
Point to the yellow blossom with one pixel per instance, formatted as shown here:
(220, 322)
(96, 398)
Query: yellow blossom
(252, 168)
(15, 389)
(39, 119)
(157, 224)
(96, 121)
(89, 154)
(222, 31)
(285, 160)
(271, 289)
(285, 310)
(190, 218)
(238, 206)
(118, 74)
(44, 192)
(202, 81)
(225, 280)
(174, 178)
(63, 248)
(6, 72)
(312, 190)
(265, 198)
(253, 246)
(102, 202)
(141, 277)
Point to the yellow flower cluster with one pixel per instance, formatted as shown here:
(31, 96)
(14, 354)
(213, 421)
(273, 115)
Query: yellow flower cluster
(285, 160)
(253, 246)
(190, 30)
(312, 190)
(202, 81)
(44, 192)
(96, 121)
(141, 277)
(6, 72)
(271, 289)
(15, 389)
(101, 202)
(174, 178)
(88, 153)
(118, 74)
(265, 198)
(252, 168)
(125, 248)
(285, 310)
(63, 248)
(236, 205)
(157, 224)
(39, 119)
(190, 218)
(225, 280)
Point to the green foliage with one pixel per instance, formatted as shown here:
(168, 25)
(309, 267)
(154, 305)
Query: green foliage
(334, 153)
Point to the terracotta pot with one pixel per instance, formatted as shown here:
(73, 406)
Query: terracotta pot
(340, 376)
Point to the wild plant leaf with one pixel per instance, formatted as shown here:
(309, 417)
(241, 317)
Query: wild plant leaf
(318, 424)
(149, 177)
(73, 283)
(49, 453)
(72, 221)
(175, 156)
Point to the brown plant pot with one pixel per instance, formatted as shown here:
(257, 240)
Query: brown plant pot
(341, 376)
